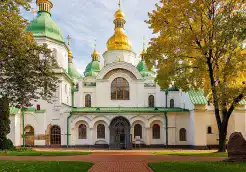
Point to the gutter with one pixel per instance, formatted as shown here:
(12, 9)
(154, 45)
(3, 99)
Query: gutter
(23, 124)
(68, 118)
(166, 120)
(166, 92)
(166, 123)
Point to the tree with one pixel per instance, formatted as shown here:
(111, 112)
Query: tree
(26, 68)
(199, 45)
(4, 122)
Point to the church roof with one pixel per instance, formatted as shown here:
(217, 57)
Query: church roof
(119, 41)
(13, 110)
(143, 69)
(72, 72)
(43, 25)
(92, 69)
(197, 97)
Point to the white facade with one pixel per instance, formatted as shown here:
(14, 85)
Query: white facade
(61, 122)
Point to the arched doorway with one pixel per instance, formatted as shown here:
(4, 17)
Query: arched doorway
(120, 137)
(55, 136)
(29, 136)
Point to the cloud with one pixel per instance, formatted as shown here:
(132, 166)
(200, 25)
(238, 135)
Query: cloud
(88, 20)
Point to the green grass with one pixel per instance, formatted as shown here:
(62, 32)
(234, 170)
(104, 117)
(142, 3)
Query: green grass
(198, 167)
(210, 154)
(39, 166)
(40, 153)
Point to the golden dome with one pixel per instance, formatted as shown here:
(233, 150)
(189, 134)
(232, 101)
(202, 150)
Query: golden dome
(143, 53)
(119, 15)
(70, 54)
(95, 55)
(119, 41)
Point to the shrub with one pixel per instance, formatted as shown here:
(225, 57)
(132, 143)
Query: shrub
(7, 144)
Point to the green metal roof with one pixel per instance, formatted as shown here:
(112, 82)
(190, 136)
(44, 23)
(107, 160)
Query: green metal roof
(33, 109)
(197, 97)
(13, 110)
(172, 89)
(92, 69)
(242, 102)
(143, 69)
(72, 72)
(44, 26)
(126, 110)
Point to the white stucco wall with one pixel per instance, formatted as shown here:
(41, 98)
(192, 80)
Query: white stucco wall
(119, 55)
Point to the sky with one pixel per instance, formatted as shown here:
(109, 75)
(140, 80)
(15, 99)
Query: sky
(87, 20)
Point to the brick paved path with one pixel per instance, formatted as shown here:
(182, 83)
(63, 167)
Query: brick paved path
(116, 161)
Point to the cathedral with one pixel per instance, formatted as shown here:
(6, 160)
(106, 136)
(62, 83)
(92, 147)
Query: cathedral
(117, 105)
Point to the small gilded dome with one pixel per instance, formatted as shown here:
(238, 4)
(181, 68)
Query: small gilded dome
(70, 54)
(119, 41)
(95, 54)
(119, 15)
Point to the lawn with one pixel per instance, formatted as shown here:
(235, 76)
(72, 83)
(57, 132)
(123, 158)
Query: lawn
(39, 166)
(40, 153)
(198, 167)
(211, 154)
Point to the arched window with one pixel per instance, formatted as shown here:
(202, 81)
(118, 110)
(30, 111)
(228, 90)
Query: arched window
(55, 135)
(137, 130)
(120, 89)
(182, 134)
(156, 131)
(101, 131)
(82, 131)
(151, 101)
(88, 100)
(209, 130)
(171, 103)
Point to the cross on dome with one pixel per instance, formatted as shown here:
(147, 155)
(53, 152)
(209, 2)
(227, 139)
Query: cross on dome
(68, 40)
(119, 4)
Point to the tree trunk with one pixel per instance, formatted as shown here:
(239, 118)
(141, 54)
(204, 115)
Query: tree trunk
(4, 122)
(222, 138)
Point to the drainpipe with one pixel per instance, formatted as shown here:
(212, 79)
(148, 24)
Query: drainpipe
(70, 115)
(165, 115)
(166, 92)
(23, 124)
(73, 97)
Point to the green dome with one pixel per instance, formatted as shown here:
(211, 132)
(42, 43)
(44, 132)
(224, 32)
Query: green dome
(72, 72)
(92, 69)
(143, 69)
(44, 26)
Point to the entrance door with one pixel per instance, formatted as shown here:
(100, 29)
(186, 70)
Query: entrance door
(55, 137)
(29, 136)
(120, 134)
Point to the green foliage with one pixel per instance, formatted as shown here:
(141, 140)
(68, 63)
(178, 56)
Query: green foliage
(25, 67)
(197, 166)
(199, 45)
(13, 5)
(38, 166)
